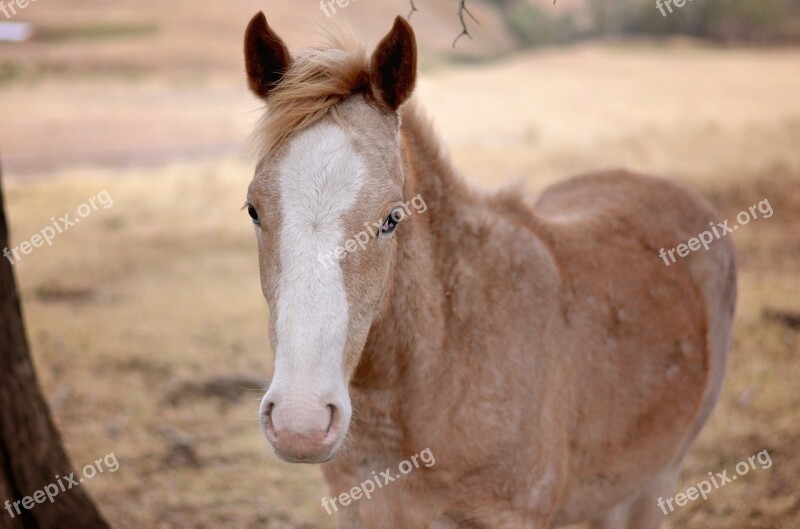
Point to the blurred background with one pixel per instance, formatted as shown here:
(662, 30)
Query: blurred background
(147, 323)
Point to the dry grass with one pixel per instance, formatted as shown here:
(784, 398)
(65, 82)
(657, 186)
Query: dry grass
(149, 330)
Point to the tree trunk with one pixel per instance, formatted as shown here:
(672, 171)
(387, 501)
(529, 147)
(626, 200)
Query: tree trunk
(31, 452)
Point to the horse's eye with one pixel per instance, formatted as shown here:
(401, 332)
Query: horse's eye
(391, 222)
(253, 215)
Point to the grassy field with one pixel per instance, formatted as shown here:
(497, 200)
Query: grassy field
(147, 322)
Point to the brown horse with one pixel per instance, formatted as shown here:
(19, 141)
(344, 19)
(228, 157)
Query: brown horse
(543, 352)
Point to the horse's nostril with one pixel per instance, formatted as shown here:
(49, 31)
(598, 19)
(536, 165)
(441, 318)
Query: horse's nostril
(334, 413)
(266, 418)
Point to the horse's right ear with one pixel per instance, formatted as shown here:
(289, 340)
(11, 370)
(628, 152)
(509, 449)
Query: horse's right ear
(266, 56)
(393, 67)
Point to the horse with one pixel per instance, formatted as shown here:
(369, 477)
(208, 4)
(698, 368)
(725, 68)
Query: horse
(538, 349)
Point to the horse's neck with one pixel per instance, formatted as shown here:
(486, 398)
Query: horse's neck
(410, 335)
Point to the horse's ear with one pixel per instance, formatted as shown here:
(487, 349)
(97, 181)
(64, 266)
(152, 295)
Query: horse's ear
(266, 56)
(393, 67)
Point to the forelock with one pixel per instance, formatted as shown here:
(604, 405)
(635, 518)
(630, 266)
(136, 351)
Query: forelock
(317, 80)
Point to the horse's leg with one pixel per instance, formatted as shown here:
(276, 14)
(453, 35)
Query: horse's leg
(509, 521)
(501, 515)
(642, 510)
(614, 518)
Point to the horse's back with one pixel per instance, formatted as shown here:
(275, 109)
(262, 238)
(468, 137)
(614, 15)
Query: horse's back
(649, 340)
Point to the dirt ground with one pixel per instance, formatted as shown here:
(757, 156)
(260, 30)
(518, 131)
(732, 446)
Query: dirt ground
(147, 322)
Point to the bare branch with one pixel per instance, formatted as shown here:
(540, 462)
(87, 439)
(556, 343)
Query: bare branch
(462, 8)
(413, 9)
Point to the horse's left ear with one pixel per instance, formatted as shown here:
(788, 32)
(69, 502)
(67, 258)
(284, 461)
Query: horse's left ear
(393, 67)
(266, 56)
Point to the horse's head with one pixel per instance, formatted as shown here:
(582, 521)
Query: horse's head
(325, 200)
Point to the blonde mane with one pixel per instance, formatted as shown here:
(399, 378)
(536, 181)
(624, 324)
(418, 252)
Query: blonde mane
(316, 81)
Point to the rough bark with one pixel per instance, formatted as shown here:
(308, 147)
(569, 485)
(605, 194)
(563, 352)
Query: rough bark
(31, 451)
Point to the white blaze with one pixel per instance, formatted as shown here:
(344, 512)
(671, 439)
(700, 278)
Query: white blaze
(320, 178)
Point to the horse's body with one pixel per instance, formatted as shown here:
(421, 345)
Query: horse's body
(544, 353)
